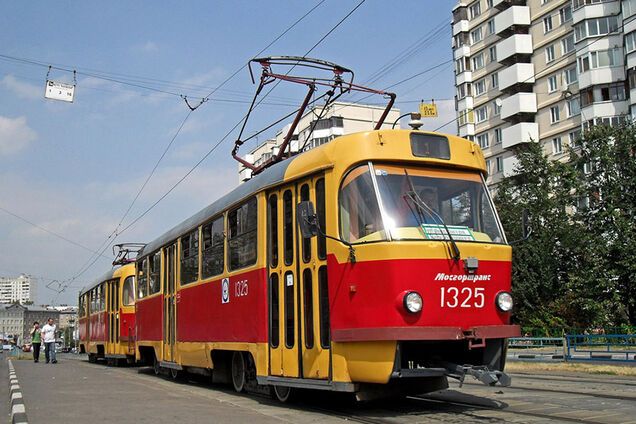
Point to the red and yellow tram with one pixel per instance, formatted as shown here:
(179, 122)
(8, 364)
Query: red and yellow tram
(107, 316)
(406, 283)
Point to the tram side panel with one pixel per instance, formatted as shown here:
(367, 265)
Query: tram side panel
(149, 328)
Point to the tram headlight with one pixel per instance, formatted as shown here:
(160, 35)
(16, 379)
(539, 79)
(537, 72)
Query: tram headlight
(413, 302)
(504, 302)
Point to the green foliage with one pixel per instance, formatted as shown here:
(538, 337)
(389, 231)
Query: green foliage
(578, 268)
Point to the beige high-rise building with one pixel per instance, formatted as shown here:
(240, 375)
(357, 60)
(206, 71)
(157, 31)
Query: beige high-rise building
(541, 70)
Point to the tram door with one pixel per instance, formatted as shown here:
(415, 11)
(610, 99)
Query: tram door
(295, 272)
(169, 308)
(112, 291)
(283, 283)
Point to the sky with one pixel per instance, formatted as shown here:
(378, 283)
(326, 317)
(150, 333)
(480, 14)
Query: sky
(70, 171)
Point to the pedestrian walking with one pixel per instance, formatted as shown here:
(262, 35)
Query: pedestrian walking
(36, 340)
(48, 333)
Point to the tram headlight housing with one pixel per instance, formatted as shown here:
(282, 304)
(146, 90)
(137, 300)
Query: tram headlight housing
(413, 302)
(504, 302)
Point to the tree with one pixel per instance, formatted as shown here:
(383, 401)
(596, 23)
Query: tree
(606, 172)
(542, 265)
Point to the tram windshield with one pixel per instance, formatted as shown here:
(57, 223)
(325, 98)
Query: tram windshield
(388, 202)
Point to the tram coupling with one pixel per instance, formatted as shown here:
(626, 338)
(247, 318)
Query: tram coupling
(479, 372)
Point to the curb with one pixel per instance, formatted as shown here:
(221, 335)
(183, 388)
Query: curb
(18, 411)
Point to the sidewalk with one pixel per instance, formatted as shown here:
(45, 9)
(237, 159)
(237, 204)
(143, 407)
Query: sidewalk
(5, 411)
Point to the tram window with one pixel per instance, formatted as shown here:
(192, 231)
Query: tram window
(320, 212)
(288, 228)
(190, 257)
(154, 283)
(306, 243)
(274, 309)
(360, 218)
(213, 248)
(101, 296)
(323, 293)
(430, 146)
(242, 223)
(142, 278)
(308, 300)
(272, 230)
(128, 292)
(289, 310)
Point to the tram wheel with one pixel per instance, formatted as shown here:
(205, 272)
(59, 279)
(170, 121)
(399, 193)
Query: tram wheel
(175, 374)
(238, 371)
(156, 367)
(283, 394)
(91, 358)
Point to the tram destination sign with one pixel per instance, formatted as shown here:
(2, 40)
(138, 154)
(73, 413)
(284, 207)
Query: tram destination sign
(55, 90)
(438, 232)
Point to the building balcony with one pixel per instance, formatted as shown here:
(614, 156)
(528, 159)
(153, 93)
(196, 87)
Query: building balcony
(519, 73)
(463, 77)
(465, 103)
(604, 109)
(504, 4)
(632, 96)
(511, 18)
(518, 44)
(523, 132)
(601, 76)
(509, 165)
(596, 10)
(460, 26)
(519, 103)
(466, 130)
(462, 51)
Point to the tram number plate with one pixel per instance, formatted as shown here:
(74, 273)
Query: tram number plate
(466, 297)
(241, 288)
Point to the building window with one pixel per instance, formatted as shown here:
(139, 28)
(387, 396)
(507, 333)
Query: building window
(481, 114)
(573, 107)
(488, 166)
(480, 87)
(482, 140)
(498, 136)
(603, 93)
(630, 41)
(567, 44)
(554, 114)
(565, 13)
(492, 54)
(573, 138)
(557, 148)
(478, 61)
(570, 76)
(491, 26)
(494, 80)
(547, 24)
(242, 223)
(499, 164)
(475, 10)
(629, 8)
(595, 27)
(552, 84)
(466, 117)
(549, 53)
(496, 109)
(489, 3)
(475, 36)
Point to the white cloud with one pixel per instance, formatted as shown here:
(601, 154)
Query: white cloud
(15, 134)
(22, 89)
(150, 47)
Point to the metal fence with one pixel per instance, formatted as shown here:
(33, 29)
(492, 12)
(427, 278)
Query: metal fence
(575, 347)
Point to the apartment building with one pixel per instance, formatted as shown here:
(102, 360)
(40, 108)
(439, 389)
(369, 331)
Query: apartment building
(338, 119)
(541, 71)
(18, 289)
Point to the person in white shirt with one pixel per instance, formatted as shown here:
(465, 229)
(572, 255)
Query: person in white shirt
(48, 337)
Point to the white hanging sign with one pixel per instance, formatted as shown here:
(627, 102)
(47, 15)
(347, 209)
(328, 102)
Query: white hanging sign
(59, 91)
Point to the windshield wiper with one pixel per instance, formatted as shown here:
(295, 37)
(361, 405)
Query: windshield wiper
(423, 208)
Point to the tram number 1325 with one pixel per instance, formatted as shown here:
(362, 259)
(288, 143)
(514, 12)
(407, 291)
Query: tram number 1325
(466, 297)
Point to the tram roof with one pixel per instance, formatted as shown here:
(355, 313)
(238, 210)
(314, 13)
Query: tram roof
(321, 157)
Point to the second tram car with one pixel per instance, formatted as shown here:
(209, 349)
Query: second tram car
(107, 316)
(406, 283)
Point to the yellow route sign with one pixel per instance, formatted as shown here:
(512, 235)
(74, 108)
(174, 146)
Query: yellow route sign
(428, 110)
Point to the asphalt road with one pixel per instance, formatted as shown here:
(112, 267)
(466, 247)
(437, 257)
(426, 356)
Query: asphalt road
(75, 391)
